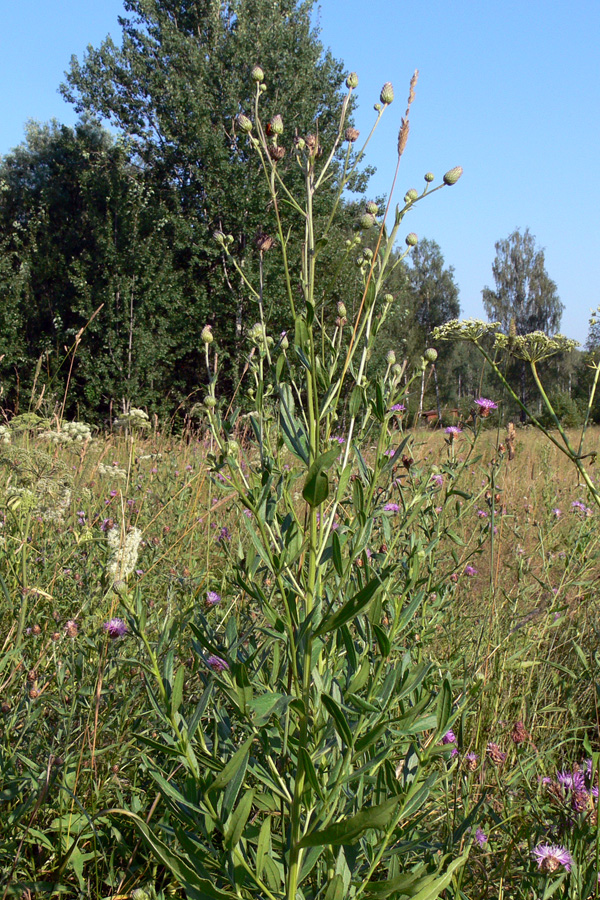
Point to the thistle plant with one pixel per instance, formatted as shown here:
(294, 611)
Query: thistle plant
(531, 349)
(306, 768)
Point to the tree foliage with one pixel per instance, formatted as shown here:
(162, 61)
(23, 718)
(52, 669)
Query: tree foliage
(524, 291)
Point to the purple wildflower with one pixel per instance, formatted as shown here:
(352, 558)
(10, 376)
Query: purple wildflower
(496, 754)
(482, 514)
(481, 837)
(224, 534)
(449, 737)
(557, 513)
(571, 781)
(485, 406)
(391, 507)
(452, 431)
(217, 664)
(115, 628)
(212, 598)
(550, 857)
(438, 480)
(470, 571)
(398, 407)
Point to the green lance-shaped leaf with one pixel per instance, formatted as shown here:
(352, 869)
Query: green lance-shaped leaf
(354, 606)
(189, 876)
(236, 823)
(316, 487)
(348, 831)
(292, 430)
(239, 759)
(340, 721)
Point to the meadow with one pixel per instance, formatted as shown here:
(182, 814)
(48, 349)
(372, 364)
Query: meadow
(83, 727)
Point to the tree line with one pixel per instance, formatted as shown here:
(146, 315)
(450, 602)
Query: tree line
(108, 265)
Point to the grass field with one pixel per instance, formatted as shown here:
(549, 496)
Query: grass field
(119, 553)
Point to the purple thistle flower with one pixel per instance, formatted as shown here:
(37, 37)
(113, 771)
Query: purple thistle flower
(572, 781)
(217, 664)
(453, 430)
(212, 598)
(550, 857)
(398, 407)
(485, 406)
(115, 628)
(470, 571)
(481, 837)
(224, 534)
(438, 480)
(557, 513)
(449, 737)
(482, 514)
(391, 507)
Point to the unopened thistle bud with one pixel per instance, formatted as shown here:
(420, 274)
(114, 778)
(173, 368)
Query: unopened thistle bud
(244, 123)
(207, 335)
(210, 402)
(387, 93)
(352, 80)
(388, 298)
(300, 144)
(219, 237)
(431, 354)
(453, 175)
(429, 176)
(257, 74)
(263, 88)
(367, 220)
(341, 308)
(411, 239)
(351, 135)
(411, 195)
(276, 124)
(377, 107)
(391, 358)
(372, 208)
(284, 343)
(397, 370)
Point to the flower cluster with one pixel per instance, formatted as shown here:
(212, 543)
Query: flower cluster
(464, 330)
(123, 555)
(535, 346)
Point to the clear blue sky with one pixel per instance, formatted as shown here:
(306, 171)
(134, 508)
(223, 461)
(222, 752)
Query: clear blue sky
(510, 91)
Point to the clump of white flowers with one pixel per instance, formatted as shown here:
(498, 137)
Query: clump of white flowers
(135, 418)
(124, 551)
(70, 433)
(113, 471)
(5, 435)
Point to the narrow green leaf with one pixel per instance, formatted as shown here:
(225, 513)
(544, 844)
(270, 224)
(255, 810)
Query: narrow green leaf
(336, 553)
(354, 606)
(337, 714)
(177, 691)
(264, 846)
(234, 828)
(239, 758)
(347, 831)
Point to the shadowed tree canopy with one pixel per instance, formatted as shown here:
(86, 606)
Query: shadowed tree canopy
(524, 291)
(175, 86)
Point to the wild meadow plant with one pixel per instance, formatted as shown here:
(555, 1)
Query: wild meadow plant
(312, 762)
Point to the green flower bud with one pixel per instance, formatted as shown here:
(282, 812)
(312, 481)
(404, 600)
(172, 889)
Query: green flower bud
(232, 448)
(257, 74)
(391, 358)
(388, 298)
(387, 93)
(429, 176)
(411, 239)
(352, 80)
(219, 237)
(263, 88)
(210, 402)
(341, 308)
(120, 588)
(284, 343)
(206, 335)
(372, 208)
(367, 220)
(431, 354)
(360, 261)
(368, 254)
(348, 243)
(411, 195)
(453, 175)
(377, 107)
(397, 370)
(276, 125)
(300, 144)
(244, 123)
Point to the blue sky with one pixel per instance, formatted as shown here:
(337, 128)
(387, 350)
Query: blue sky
(510, 91)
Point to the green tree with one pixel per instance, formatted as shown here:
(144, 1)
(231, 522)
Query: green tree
(525, 298)
(525, 294)
(176, 86)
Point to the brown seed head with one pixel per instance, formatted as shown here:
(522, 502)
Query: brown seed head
(351, 135)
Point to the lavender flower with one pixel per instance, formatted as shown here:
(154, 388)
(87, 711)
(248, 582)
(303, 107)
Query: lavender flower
(550, 857)
(115, 628)
(557, 513)
(398, 407)
(470, 571)
(471, 760)
(481, 837)
(391, 507)
(438, 480)
(449, 737)
(485, 406)
(452, 431)
(212, 598)
(217, 664)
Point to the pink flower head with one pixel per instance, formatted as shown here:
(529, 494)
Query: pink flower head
(391, 507)
(438, 480)
(217, 664)
(397, 407)
(481, 837)
(485, 406)
(115, 628)
(452, 431)
(449, 737)
(470, 571)
(212, 598)
(550, 857)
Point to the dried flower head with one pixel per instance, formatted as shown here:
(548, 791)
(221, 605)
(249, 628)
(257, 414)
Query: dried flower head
(351, 135)
(495, 754)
